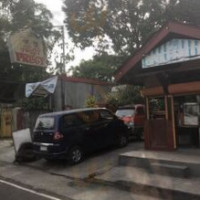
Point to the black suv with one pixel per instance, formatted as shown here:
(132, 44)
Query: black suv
(70, 134)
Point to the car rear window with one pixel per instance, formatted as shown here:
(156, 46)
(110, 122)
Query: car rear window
(125, 112)
(45, 123)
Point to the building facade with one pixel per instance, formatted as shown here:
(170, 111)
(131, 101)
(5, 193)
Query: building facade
(73, 92)
(168, 66)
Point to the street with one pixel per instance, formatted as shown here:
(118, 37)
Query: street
(11, 191)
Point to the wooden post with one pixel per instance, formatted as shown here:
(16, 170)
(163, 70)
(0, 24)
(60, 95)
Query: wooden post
(166, 108)
(173, 121)
(147, 108)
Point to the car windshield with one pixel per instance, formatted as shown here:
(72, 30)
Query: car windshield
(45, 123)
(125, 112)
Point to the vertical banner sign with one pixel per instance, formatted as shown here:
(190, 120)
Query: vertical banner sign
(27, 48)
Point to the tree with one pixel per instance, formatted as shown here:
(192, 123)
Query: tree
(25, 14)
(125, 95)
(14, 16)
(123, 25)
(101, 67)
(130, 95)
(119, 24)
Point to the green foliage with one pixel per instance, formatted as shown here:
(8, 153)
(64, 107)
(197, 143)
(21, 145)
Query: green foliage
(38, 103)
(123, 25)
(130, 95)
(125, 95)
(101, 67)
(90, 102)
(112, 99)
(25, 14)
(14, 16)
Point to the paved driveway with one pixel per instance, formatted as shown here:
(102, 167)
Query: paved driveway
(93, 164)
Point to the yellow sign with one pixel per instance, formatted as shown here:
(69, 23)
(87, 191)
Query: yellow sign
(26, 48)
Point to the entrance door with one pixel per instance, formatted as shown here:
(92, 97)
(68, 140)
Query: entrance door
(159, 126)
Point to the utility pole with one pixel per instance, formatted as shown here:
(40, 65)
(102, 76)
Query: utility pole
(63, 40)
(63, 70)
(62, 67)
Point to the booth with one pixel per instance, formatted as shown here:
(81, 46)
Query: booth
(168, 67)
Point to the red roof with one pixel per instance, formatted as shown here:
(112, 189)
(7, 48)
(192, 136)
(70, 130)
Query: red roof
(84, 80)
(183, 30)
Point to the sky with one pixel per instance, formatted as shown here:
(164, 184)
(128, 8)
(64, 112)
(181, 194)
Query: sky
(55, 6)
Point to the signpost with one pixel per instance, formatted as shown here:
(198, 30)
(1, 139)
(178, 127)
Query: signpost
(27, 48)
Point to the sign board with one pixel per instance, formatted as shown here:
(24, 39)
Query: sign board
(41, 88)
(173, 51)
(27, 48)
(20, 137)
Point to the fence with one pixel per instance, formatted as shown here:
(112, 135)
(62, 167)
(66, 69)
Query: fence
(12, 119)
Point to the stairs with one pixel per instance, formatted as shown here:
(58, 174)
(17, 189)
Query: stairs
(171, 169)
(163, 175)
(166, 163)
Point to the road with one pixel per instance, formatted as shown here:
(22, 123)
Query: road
(11, 191)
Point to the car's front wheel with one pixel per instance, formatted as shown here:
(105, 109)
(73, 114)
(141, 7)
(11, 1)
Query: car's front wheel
(122, 140)
(75, 155)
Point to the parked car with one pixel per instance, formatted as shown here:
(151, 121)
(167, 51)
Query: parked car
(73, 133)
(134, 118)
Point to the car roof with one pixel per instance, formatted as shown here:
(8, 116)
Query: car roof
(124, 107)
(130, 106)
(59, 113)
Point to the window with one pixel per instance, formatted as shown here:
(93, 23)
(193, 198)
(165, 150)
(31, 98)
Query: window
(89, 117)
(71, 120)
(125, 112)
(45, 123)
(104, 114)
(157, 108)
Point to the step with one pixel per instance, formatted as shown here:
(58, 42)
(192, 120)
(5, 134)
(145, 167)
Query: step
(140, 181)
(145, 159)
(171, 170)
